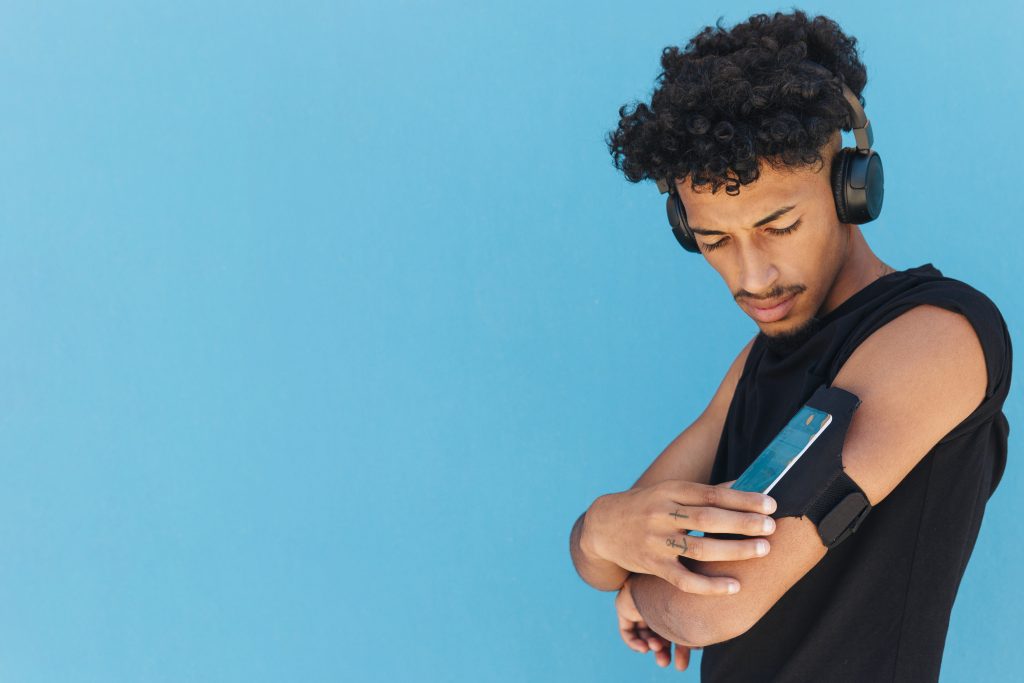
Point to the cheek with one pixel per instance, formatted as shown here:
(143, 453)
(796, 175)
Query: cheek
(819, 239)
(817, 252)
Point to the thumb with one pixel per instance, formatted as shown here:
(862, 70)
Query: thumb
(727, 484)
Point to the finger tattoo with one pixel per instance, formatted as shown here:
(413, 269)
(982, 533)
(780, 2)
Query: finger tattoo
(671, 542)
(679, 514)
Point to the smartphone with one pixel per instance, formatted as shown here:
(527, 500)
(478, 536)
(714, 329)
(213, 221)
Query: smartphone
(784, 450)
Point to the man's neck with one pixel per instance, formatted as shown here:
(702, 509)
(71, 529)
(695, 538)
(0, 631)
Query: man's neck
(862, 267)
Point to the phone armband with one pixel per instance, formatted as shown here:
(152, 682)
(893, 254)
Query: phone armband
(817, 486)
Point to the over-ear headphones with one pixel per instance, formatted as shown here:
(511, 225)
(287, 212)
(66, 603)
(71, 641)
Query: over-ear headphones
(856, 176)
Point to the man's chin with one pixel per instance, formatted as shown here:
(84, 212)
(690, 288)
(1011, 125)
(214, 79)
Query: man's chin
(784, 343)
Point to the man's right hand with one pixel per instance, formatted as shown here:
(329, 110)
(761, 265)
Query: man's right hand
(644, 530)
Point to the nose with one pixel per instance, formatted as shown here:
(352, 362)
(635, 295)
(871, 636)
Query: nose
(757, 273)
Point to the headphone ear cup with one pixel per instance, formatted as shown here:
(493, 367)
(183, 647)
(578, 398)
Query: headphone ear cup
(864, 187)
(680, 228)
(857, 185)
(839, 175)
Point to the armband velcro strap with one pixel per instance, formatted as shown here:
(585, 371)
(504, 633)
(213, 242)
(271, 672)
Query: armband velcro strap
(817, 486)
(839, 511)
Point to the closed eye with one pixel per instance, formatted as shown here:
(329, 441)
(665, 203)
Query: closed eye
(773, 231)
(784, 231)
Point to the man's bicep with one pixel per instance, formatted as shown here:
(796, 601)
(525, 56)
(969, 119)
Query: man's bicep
(691, 454)
(918, 377)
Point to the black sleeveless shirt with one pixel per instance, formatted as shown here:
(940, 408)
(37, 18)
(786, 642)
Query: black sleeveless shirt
(876, 607)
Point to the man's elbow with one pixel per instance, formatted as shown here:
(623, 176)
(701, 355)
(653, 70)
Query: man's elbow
(705, 627)
(703, 631)
(689, 619)
(726, 627)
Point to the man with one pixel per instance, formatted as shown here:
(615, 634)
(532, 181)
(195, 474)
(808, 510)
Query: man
(758, 110)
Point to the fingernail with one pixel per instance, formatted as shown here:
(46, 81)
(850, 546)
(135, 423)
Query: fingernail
(769, 504)
(762, 547)
(734, 587)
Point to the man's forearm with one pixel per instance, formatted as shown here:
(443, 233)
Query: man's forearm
(657, 600)
(603, 575)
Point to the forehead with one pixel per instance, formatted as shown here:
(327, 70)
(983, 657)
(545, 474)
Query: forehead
(773, 189)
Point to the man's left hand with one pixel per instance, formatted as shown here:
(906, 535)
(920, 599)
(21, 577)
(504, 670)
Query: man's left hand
(639, 637)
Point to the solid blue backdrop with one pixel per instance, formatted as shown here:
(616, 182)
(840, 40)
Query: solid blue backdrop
(323, 322)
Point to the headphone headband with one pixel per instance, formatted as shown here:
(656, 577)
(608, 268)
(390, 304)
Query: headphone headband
(859, 123)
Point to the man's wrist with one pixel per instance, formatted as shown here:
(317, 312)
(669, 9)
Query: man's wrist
(589, 531)
(600, 573)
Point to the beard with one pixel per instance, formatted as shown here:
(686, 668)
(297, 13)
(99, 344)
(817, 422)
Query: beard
(787, 342)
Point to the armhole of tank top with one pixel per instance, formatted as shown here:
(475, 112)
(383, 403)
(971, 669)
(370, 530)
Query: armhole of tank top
(987, 409)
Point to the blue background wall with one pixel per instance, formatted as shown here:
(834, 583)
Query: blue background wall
(321, 325)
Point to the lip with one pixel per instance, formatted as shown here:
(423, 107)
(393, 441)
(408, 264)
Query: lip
(772, 313)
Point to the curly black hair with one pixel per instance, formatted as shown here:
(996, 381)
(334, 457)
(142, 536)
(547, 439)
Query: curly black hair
(734, 99)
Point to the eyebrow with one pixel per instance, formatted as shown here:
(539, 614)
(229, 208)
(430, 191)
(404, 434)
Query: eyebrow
(767, 219)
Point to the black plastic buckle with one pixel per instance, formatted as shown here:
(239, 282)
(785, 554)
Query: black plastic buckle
(843, 519)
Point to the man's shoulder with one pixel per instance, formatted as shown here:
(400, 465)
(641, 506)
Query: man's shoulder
(955, 311)
(930, 283)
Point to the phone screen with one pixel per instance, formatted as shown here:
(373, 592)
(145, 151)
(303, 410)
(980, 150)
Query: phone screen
(784, 450)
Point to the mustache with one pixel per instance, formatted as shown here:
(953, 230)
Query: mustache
(781, 293)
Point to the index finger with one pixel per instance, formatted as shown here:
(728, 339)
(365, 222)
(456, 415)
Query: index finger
(773, 505)
(720, 496)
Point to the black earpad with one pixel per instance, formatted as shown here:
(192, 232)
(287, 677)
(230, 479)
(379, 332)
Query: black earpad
(680, 228)
(839, 179)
